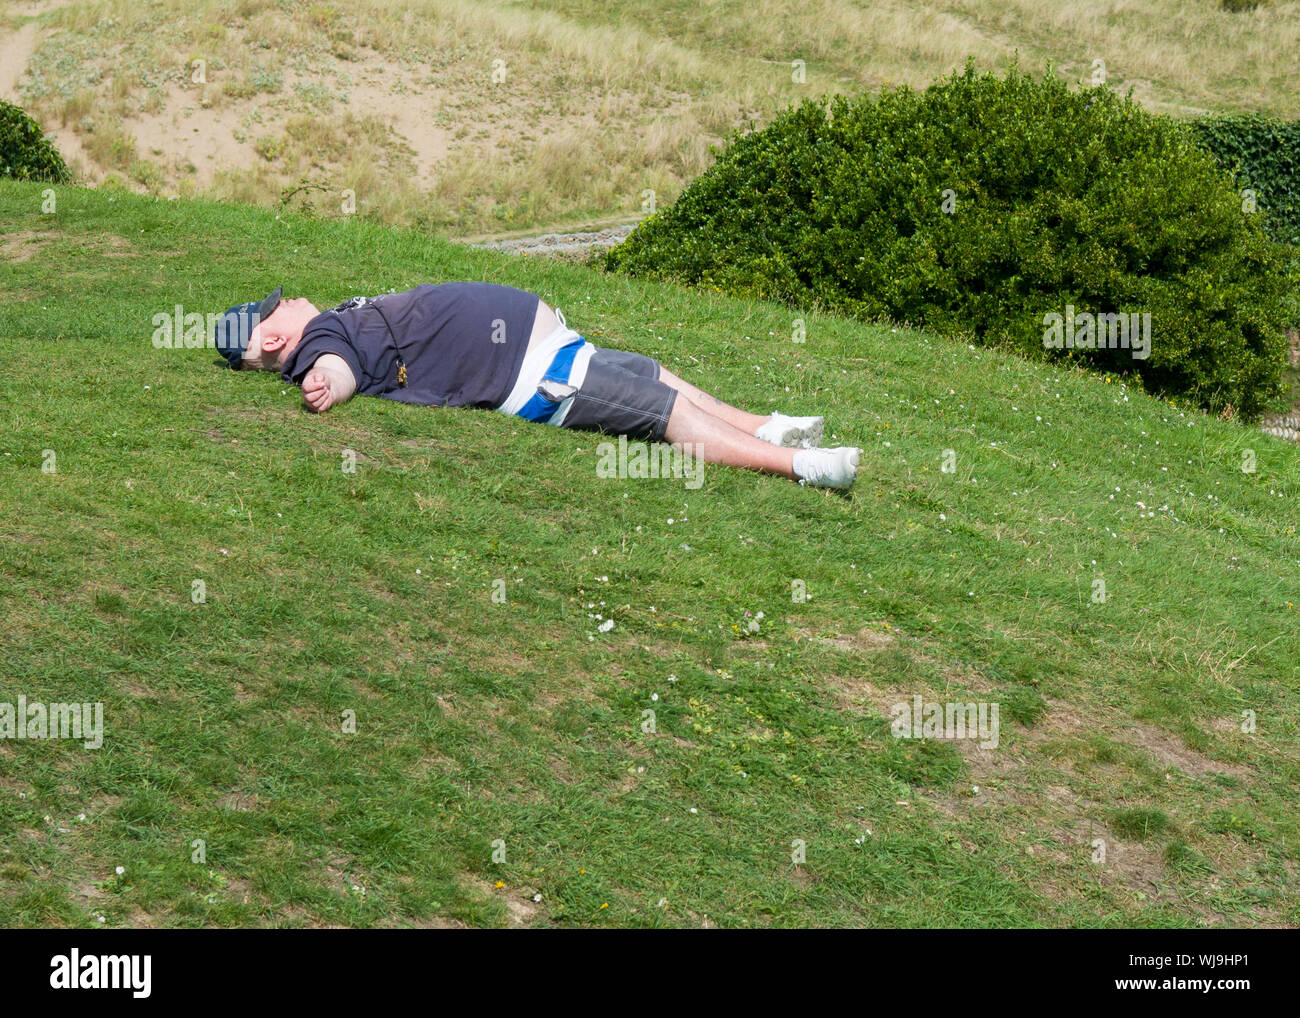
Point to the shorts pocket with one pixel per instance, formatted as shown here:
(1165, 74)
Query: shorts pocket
(555, 392)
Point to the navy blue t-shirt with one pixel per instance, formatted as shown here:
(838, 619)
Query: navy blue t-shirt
(462, 343)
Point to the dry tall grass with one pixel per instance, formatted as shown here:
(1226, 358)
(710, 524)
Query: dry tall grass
(599, 102)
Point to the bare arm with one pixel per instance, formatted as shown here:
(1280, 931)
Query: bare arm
(329, 382)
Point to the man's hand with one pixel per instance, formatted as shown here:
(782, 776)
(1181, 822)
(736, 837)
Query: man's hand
(318, 391)
(328, 382)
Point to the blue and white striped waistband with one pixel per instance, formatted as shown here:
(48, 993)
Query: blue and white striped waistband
(539, 408)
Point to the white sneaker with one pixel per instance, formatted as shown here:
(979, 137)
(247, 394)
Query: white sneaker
(828, 468)
(792, 432)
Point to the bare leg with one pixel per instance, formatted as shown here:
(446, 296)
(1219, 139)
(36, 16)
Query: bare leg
(746, 422)
(715, 441)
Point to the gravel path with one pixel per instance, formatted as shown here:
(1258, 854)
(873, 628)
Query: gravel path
(562, 245)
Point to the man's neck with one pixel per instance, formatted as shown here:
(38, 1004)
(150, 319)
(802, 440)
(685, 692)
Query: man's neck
(287, 350)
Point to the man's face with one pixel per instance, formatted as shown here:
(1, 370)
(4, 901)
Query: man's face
(277, 334)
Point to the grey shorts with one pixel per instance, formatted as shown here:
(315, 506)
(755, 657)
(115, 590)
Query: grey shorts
(622, 395)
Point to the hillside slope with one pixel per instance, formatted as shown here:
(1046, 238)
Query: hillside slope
(1123, 789)
(477, 116)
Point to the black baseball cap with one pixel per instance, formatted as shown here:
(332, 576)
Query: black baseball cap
(236, 326)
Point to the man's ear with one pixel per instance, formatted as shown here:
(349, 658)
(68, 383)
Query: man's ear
(272, 343)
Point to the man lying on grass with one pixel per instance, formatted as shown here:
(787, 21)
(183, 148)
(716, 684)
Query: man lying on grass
(493, 346)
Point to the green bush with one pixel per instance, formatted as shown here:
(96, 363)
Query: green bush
(1291, 253)
(981, 206)
(25, 154)
(1264, 155)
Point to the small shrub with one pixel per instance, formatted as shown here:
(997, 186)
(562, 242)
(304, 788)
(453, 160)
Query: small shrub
(112, 147)
(77, 106)
(238, 89)
(266, 81)
(322, 15)
(25, 152)
(268, 148)
(149, 174)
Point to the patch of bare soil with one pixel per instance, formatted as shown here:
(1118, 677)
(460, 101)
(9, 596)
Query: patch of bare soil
(238, 802)
(1003, 780)
(191, 139)
(196, 131)
(1024, 783)
(17, 47)
(1172, 753)
(521, 910)
(21, 246)
(868, 638)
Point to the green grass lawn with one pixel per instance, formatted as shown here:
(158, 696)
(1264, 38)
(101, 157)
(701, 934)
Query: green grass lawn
(1123, 790)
